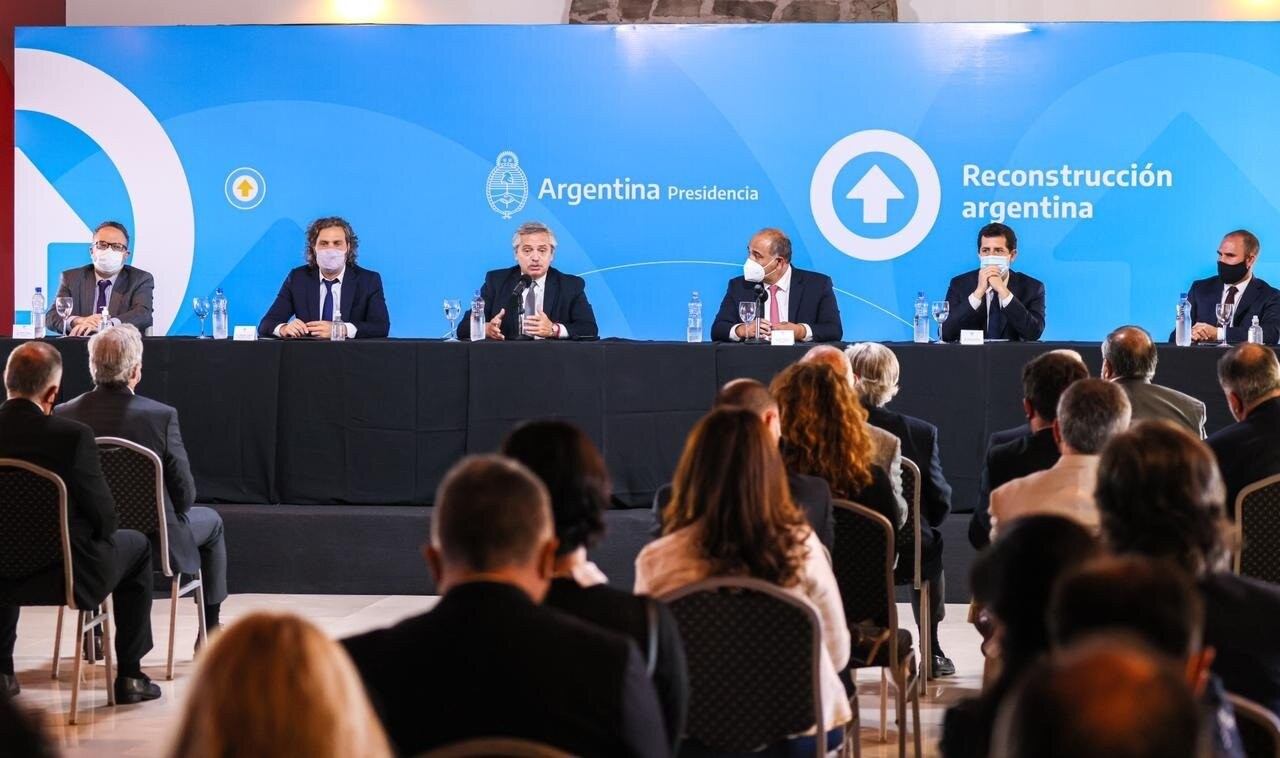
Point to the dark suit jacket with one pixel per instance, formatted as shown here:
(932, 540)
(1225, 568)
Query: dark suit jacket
(1260, 299)
(1242, 622)
(565, 302)
(619, 611)
(67, 449)
(1007, 461)
(488, 662)
(129, 301)
(810, 492)
(812, 301)
(361, 304)
(1154, 401)
(1249, 450)
(920, 445)
(1023, 319)
(117, 412)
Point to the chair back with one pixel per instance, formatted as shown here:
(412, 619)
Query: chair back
(911, 530)
(754, 659)
(1259, 728)
(34, 533)
(136, 478)
(1258, 530)
(487, 747)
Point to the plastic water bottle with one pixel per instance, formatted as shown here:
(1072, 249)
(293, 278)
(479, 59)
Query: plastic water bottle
(37, 313)
(219, 306)
(1255, 332)
(338, 330)
(477, 317)
(695, 319)
(921, 321)
(1182, 329)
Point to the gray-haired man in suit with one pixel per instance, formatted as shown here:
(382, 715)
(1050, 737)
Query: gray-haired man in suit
(1129, 359)
(108, 283)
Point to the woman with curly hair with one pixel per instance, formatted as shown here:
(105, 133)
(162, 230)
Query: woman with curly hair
(731, 514)
(824, 434)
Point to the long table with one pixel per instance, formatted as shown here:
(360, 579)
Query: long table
(378, 422)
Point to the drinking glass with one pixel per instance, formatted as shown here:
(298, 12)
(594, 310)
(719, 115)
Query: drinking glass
(941, 309)
(201, 307)
(63, 306)
(747, 312)
(1223, 312)
(452, 309)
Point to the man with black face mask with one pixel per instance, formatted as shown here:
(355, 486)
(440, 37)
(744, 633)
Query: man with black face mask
(1235, 284)
(802, 302)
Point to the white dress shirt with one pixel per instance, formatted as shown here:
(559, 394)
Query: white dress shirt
(783, 296)
(539, 296)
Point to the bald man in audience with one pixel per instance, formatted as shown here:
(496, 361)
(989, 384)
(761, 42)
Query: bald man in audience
(811, 493)
(1090, 412)
(1129, 359)
(1248, 450)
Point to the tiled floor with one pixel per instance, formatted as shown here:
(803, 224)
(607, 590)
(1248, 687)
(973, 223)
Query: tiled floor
(144, 729)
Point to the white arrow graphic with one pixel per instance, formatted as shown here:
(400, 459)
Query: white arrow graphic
(46, 218)
(875, 190)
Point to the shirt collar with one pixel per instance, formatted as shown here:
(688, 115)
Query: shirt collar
(99, 278)
(784, 283)
(1240, 285)
(541, 281)
(337, 278)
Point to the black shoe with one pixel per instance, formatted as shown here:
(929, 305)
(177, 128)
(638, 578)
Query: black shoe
(942, 665)
(96, 653)
(208, 634)
(9, 685)
(134, 690)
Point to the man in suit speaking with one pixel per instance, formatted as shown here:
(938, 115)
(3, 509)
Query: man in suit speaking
(802, 302)
(531, 299)
(329, 283)
(1004, 304)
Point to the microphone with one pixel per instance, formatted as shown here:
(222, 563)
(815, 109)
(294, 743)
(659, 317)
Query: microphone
(517, 307)
(522, 284)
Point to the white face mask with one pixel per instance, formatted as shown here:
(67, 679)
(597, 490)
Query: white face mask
(331, 259)
(999, 261)
(108, 262)
(753, 271)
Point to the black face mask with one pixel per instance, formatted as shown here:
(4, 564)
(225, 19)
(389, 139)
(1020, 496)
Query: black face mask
(1232, 273)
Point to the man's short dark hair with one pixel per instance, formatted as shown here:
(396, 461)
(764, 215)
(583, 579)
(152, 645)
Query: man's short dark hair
(319, 225)
(1131, 353)
(31, 369)
(1153, 600)
(1090, 412)
(1046, 377)
(998, 230)
(1107, 696)
(490, 512)
(779, 243)
(745, 393)
(1248, 240)
(1250, 372)
(113, 225)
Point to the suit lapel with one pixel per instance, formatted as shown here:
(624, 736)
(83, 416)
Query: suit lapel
(1246, 302)
(350, 282)
(795, 298)
(89, 290)
(552, 294)
(116, 301)
(313, 297)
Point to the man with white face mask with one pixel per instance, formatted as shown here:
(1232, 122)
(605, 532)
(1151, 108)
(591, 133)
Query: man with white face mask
(1004, 304)
(328, 285)
(788, 298)
(124, 291)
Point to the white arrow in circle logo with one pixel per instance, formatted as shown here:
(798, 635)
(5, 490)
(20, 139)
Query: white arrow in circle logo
(875, 190)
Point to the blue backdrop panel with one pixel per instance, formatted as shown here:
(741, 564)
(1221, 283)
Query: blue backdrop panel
(1120, 153)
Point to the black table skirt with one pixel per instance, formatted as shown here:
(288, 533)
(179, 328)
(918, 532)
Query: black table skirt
(378, 422)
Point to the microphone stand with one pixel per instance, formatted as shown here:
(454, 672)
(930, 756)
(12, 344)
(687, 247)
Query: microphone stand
(762, 296)
(517, 302)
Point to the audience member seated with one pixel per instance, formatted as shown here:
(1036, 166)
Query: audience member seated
(811, 493)
(574, 473)
(886, 448)
(731, 514)
(1044, 379)
(1103, 697)
(488, 660)
(1158, 603)
(1129, 358)
(824, 433)
(1013, 581)
(105, 560)
(1248, 450)
(1160, 495)
(1090, 412)
(112, 409)
(876, 371)
(274, 684)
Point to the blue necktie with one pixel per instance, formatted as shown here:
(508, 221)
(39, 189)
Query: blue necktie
(326, 310)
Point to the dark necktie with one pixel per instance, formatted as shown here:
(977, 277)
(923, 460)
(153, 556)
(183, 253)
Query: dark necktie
(531, 301)
(103, 284)
(995, 317)
(326, 310)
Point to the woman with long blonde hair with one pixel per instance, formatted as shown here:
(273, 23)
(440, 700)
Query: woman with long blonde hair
(273, 684)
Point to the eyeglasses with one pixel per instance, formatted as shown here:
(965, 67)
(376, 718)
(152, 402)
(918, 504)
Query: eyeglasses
(119, 247)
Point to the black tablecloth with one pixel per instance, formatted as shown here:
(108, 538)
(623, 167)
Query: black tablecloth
(378, 422)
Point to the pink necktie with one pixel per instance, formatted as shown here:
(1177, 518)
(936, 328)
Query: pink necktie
(773, 304)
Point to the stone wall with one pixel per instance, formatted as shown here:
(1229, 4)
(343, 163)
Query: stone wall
(728, 11)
